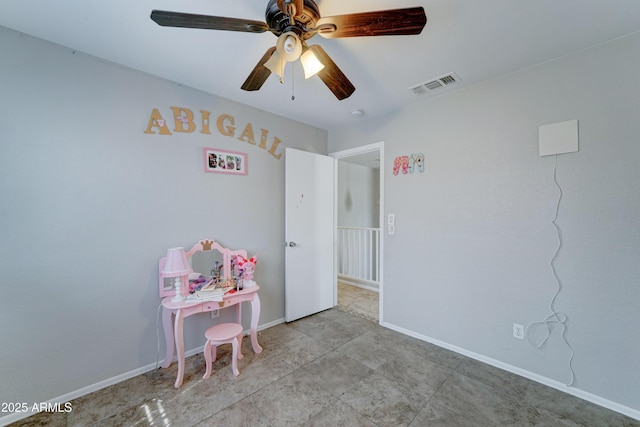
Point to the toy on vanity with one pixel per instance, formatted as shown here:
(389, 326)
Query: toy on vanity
(246, 268)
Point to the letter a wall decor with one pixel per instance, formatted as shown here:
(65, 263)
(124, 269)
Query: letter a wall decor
(408, 164)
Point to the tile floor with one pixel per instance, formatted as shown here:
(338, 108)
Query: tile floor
(334, 368)
(358, 301)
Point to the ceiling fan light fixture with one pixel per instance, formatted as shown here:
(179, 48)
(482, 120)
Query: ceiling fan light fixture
(295, 22)
(289, 46)
(310, 64)
(276, 64)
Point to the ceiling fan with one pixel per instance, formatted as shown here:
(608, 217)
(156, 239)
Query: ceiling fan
(296, 21)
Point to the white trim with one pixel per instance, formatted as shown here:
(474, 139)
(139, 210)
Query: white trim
(597, 400)
(16, 416)
(335, 232)
(358, 150)
(270, 324)
(376, 146)
(381, 226)
(370, 286)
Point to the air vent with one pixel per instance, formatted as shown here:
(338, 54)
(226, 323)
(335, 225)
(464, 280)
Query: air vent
(434, 84)
(418, 90)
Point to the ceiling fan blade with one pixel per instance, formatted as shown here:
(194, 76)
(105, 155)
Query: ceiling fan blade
(393, 22)
(332, 76)
(260, 73)
(189, 20)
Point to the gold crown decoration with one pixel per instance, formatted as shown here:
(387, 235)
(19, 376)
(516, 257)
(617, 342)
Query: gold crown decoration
(206, 244)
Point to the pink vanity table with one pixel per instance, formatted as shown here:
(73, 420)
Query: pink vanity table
(174, 312)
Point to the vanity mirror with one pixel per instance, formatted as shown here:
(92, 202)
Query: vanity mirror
(208, 263)
(208, 258)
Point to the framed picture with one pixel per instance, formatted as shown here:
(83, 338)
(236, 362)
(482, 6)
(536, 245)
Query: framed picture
(222, 161)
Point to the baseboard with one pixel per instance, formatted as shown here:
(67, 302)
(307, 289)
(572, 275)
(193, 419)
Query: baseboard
(270, 324)
(369, 287)
(595, 399)
(83, 391)
(17, 416)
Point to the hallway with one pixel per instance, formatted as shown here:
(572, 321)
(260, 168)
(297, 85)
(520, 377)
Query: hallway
(358, 301)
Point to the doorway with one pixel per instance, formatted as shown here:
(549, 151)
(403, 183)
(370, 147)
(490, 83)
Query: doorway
(359, 213)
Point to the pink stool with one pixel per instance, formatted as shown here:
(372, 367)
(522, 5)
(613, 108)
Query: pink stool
(224, 333)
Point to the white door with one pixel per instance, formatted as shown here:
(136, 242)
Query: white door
(310, 279)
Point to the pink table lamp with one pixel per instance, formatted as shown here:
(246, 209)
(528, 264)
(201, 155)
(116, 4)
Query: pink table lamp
(178, 267)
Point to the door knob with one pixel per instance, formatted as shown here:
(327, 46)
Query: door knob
(292, 244)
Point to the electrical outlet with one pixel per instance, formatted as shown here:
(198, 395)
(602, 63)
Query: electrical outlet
(518, 331)
(215, 313)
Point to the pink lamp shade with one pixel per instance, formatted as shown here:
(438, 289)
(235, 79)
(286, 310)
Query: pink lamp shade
(177, 264)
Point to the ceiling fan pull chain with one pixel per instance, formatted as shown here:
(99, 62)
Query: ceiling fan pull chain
(293, 84)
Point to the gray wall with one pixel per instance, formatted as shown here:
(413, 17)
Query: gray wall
(89, 203)
(478, 227)
(358, 194)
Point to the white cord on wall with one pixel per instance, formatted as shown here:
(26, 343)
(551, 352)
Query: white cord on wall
(554, 318)
(158, 336)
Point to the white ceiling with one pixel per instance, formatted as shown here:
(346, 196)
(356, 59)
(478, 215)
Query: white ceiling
(475, 39)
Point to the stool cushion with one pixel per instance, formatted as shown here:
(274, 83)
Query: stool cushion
(223, 331)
